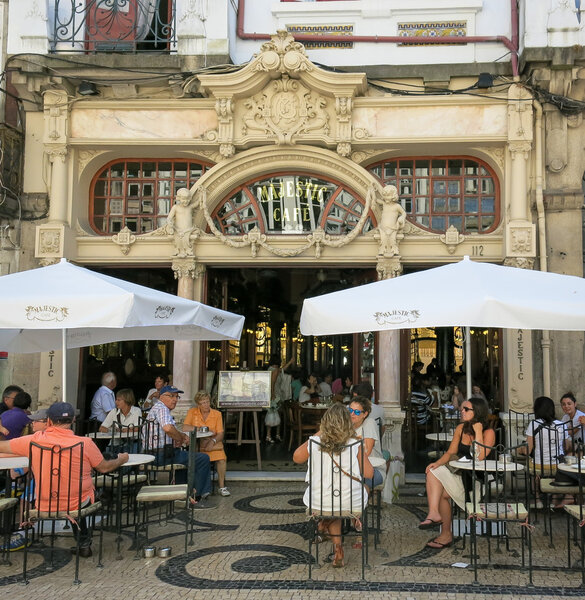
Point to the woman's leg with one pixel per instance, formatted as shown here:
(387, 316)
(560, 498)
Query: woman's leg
(446, 534)
(435, 491)
(335, 535)
(220, 467)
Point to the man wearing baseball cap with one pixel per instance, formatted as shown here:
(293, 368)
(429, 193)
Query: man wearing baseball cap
(160, 414)
(58, 432)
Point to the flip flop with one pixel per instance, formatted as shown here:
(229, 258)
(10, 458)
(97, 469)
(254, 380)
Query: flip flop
(429, 524)
(438, 545)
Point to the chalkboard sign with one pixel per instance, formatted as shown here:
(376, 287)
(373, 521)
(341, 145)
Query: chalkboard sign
(244, 389)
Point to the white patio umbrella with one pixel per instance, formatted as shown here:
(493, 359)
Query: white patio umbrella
(467, 293)
(65, 306)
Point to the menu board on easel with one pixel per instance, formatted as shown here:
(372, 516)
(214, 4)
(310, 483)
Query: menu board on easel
(244, 389)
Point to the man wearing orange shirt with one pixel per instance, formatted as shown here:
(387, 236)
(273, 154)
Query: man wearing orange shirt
(59, 433)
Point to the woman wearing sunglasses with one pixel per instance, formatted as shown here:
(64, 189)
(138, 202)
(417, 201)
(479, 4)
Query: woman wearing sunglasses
(442, 484)
(366, 428)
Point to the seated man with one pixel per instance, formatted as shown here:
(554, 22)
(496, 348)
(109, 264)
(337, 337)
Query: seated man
(58, 433)
(169, 447)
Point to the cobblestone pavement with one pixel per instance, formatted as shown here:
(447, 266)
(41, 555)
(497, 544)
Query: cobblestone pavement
(253, 546)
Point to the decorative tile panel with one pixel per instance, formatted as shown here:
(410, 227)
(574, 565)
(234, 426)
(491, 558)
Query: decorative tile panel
(433, 29)
(339, 30)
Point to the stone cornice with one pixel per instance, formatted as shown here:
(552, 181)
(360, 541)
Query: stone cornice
(563, 199)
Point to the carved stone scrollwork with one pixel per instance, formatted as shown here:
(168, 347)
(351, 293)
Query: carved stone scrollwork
(284, 110)
(49, 241)
(452, 238)
(282, 53)
(388, 268)
(520, 150)
(47, 262)
(256, 239)
(185, 267)
(57, 152)
(84, 156)
(124, 239)
(520, 262)
(344, 149)
(521, 240)
(359, 156)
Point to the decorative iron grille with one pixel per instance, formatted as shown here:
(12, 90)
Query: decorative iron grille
(112, 25)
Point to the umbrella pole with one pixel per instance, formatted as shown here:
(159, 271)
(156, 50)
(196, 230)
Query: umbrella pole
(64, 363)
(468, 361)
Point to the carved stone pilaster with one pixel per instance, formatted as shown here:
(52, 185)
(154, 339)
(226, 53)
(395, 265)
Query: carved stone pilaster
(343, 112)
(519, 114)
(388, 268)
(56, 111)
(185, 268)
(521, 240)
(49, 242)
(224, 107)
(452, 238)
(124, 240)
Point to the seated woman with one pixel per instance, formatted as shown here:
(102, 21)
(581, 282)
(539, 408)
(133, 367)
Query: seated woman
(311, 391)
(442, 484)
(125, 417)
(14, 422)
(202, 415)
(575, 418)
(125, 414)
(366, 428)
(332, 449)
(546, 437)
(457, 398)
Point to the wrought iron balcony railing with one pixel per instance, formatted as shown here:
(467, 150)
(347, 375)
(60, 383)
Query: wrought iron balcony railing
(111, 25)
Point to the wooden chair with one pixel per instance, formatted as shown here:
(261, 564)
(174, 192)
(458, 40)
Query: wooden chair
(298, 428)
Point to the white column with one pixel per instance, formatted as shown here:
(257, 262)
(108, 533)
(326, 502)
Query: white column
(183, 350)
(59, 178)
(388, 391)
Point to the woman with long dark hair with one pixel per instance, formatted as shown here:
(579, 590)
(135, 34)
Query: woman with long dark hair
(442, 484)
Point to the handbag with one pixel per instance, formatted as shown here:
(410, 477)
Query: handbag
(272, 417)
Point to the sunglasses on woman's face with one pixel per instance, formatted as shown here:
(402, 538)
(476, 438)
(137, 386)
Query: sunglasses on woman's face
(355, 412)
(466, 408)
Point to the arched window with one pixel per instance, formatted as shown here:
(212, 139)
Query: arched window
(291, 204)
(138, 194)
(439, 192)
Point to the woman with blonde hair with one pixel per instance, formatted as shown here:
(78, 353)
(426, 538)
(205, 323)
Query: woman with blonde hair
(337, 461)
(202, 415)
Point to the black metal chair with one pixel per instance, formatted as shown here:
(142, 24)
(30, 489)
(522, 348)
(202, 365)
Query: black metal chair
(500, 504)
(548, 453)
(153, 440)
(54, 492)
(576, 515)
(167, 496)
(335, 492)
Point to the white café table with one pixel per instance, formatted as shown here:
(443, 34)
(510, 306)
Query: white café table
(486, 465)
(572, 470)
(107, 435)
(13, 462)
(443, 436)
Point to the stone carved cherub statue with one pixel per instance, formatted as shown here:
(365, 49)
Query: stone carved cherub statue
(180, 223)
(392, 220)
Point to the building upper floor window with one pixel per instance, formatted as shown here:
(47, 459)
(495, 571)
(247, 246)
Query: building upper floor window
(111, 25)
(138, 193)
(440, 192)
(291, 204)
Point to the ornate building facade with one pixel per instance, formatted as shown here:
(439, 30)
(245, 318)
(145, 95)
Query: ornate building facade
(412, 153)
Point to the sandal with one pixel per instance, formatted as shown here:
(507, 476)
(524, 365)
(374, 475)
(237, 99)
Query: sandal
(436, 545)
(338, 556)
(269, 440)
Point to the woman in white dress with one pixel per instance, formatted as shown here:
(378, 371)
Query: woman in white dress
(337, 465)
